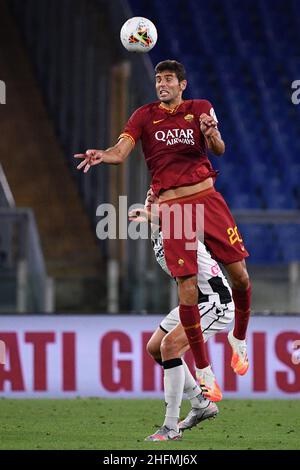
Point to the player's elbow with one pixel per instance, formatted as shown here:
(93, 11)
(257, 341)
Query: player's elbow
(223, 148)
(220, 149)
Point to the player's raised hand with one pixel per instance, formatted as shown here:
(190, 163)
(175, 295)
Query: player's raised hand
(207, 124)
(89, 158)
(150, 198)
(139, 215)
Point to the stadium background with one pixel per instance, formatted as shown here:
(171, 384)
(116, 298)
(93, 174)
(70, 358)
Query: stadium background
(71, 86)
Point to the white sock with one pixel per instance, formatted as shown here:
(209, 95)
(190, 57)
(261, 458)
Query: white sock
(206, 370)
(192, 389)
(173, 384)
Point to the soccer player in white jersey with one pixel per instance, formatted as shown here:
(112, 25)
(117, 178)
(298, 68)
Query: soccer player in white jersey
(169, 342)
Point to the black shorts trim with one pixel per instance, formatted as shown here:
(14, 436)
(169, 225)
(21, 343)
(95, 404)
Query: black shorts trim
(165, 331)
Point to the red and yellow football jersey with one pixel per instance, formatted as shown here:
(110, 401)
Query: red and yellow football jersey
(173, 144)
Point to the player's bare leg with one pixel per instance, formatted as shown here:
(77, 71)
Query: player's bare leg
(153, 345)
(206, 383)
(176, 376)
(241, 293)
(175, 344)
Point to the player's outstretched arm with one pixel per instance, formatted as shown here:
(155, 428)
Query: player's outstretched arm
(114, 155)
(212, 136)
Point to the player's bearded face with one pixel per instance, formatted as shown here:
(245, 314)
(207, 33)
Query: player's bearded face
(168, 88)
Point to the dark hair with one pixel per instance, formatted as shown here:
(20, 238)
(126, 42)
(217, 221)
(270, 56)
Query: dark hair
(172, 66)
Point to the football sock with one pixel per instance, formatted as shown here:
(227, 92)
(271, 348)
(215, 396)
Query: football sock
(191, 388)
(199, 401)
(173, 387)
(190, 319)
(242, 301)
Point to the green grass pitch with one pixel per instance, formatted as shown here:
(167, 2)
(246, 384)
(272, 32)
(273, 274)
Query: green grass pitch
(123, 424)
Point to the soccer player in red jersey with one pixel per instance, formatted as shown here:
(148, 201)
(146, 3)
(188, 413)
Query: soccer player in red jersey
(176, 135)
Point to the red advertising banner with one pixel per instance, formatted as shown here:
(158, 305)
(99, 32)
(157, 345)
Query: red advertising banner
(105, 356)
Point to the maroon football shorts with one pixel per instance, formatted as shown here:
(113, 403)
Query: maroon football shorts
(221, 236)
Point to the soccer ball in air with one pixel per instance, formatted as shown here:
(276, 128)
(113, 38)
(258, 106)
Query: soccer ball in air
(138, 34)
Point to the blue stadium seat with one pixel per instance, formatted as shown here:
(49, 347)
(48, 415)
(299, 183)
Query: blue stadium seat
(260, 241)
(289, 241)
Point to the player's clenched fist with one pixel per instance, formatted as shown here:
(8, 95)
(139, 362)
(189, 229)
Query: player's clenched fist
(90, 158)
(207, 124)
(150, 198)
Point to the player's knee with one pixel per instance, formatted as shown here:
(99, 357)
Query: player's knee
(168, 348)
(153, 350)
(241, 280)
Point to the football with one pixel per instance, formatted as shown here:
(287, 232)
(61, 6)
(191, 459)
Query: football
(138, 34)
